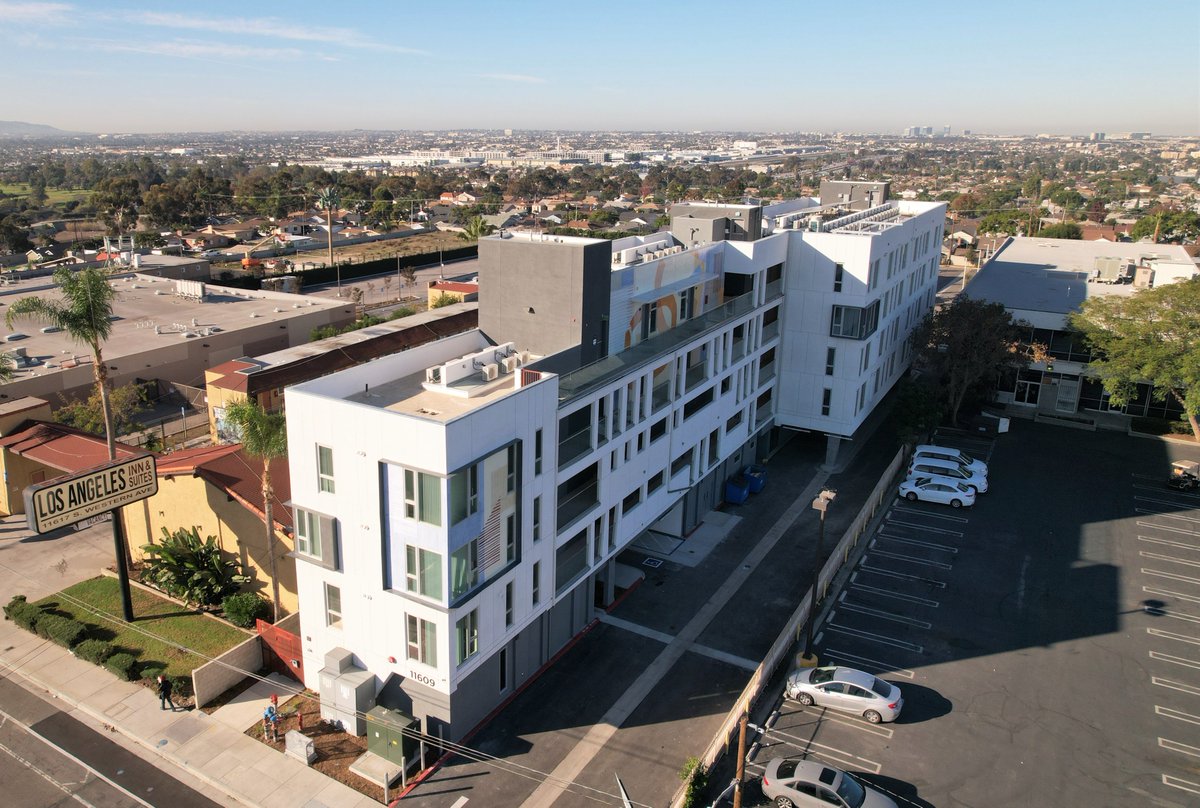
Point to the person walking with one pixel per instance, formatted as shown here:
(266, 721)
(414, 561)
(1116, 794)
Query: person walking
(164, 693)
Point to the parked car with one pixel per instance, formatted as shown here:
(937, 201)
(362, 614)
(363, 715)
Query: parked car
(846, 689)
(928, 466)
(1185, 475)
(953, 455)
(943, 490)
(811, 784)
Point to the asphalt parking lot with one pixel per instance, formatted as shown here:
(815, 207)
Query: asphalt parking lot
(1047, 641)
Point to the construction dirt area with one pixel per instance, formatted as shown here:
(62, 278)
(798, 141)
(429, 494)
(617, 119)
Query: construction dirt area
(358, 253)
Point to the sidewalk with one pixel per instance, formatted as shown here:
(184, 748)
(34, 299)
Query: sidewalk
(211, 750)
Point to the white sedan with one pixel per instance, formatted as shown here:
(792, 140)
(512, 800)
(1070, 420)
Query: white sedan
(944, 491)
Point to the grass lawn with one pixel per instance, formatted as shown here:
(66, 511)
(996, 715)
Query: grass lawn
(54, 196)
(169, 625)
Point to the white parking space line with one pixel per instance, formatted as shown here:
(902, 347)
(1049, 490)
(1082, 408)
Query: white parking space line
(1171, 684)
(805, 745)
(1161, 557)
(1178, 715)
(459, 803)
(1187, 663)
(1175, 782)
(942, 565)
(1167, 515)
(1178, 615)
(861, 724)
(1170, 528)
(880, 667)
(1170, 575)
(884, 593)
(1174, 503)
(1150, 590)
(879, 638)
(1182, 748)
(1182, 545)
(1170, 635)
(904, 576)
(1138, 476)
(1173, 494)
(924, 528)
(882, 615)
(927, 544)
(920, 512)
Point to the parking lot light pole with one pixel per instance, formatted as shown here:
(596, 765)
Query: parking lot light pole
(820, 503)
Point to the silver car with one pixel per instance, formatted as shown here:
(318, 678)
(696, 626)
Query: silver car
(809, 784)
(846, 689)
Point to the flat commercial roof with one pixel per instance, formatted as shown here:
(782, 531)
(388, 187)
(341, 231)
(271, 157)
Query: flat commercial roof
(1051, 274)
(145, 303)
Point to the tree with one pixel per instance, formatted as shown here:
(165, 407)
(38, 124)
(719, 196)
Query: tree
(264, 436)
(118, 200)
(124, 403)
(85, 314)
(1067, 230)
(1146, 338)
(190, 568)
(475, 229)
(443, 300)
(13, 236)
(329, 198)
(7, 368)
(965, 345)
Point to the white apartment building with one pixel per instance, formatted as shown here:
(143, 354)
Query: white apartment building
(460, 505)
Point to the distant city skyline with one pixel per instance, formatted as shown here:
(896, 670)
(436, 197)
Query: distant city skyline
(1018, 68)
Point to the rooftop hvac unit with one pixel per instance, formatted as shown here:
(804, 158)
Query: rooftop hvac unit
(490, 371)
(511, 363)
(525, 357)
(433, 375)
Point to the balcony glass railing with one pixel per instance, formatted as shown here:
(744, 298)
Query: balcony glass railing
(575, 504)
(572, 447)
(589, 377)
(693, 376)
(766, 373)
(770, 332)
(661, 396)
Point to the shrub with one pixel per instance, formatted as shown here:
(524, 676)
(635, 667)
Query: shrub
(403, 311)
(94, 651)
(244, 608)
(191, 568)
(151, 672)
(181, 686)
(23, 613)
(695, 777)
(62, 630)
(122, 665)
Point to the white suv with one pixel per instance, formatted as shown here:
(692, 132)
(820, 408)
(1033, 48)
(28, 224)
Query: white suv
(946, 453)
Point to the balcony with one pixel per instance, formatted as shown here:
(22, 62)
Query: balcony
(770, 331)
(693, 376)
(576, 503)
(661, 396)
(767, 372)
(589, 377)
(574, 446)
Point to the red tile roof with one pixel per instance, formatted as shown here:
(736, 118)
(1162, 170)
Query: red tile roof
(63, 447)
(455, 286)
(237, 474)
(232, 378)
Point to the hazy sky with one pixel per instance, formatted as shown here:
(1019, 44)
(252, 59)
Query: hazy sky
(1012, 66)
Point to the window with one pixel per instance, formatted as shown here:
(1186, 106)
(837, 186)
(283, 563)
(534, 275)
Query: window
(464, 494)
(467, 631)
(423, 572)
(510, 479)
(325, 469)
(422, 641)
(839, 272)
(423, 497)
(649, 319)
(854, 322)
(308, 533)
(658, 429)
(687, 300)
(510, 538)
(655, 483)
(508, 604)
(333, 606)
(632, 500)
(537, 518)
(464, 569)
(536, 591)
(830, 355)
(537, 452)
(826, 401)
(503, 669)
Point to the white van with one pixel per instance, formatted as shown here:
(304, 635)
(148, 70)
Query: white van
(946, 453)
(932, 467)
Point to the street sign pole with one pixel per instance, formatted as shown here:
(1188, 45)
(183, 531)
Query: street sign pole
(118, 527)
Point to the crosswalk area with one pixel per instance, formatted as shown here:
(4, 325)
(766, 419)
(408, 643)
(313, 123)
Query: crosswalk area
(1168, 574)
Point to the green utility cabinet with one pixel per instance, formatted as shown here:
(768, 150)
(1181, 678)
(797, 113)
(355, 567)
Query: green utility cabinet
(386, 734)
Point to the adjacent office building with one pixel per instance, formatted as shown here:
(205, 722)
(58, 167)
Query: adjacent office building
(459, 506)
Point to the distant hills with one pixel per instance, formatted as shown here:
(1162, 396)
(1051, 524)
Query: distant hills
(22, 129)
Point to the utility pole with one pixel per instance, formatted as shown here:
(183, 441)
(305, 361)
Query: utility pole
(741, 761)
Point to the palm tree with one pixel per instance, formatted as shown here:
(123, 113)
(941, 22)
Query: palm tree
(263, 435)
(330, 198)
(7, 368)
(85, 314)
(475, 229)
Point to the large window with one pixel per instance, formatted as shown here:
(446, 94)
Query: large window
(308, 533)
(325, 469)
(422, 640)
(423, 497)
(537, 518)
(464, 494)
(537, 452)
(853, 322)
(570, 561)
(333, 606)
(464, 569)
(467, 632)
(423, 572)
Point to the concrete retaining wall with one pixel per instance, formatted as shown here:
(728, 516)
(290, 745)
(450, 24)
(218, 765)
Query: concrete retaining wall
(214, 678)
